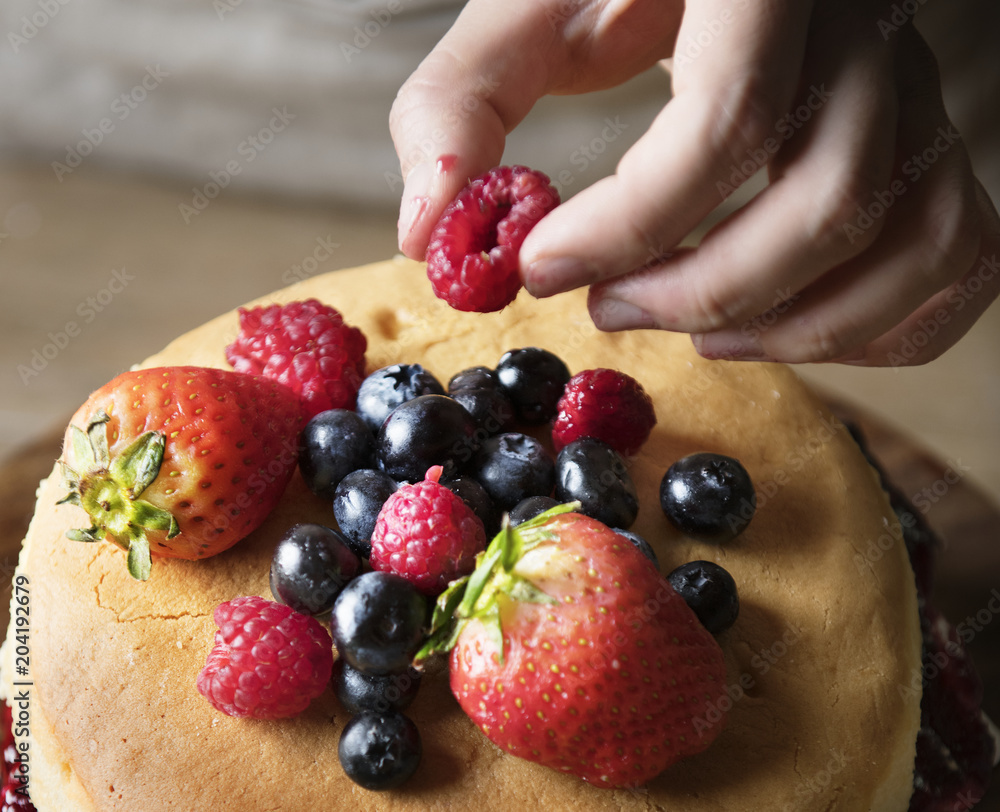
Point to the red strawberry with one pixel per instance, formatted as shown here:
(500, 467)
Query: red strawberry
(208, 451)
(606, 404)
(572, 651)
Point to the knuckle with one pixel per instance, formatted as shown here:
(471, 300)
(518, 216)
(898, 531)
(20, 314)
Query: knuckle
(951, 235)
(746, 116)
(714, 306)
(844, 217)
(817, 342)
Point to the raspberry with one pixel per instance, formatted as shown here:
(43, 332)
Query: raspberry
(268, 662)
(13, 779)
(472, 253)
(427, 534)
(608, 405)
(306, 346)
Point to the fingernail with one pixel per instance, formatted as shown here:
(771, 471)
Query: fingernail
(547, 277)
(729, 345)
(414, 202)
(611, 315)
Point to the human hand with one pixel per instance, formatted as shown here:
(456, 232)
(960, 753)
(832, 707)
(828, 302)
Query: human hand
(873, 243)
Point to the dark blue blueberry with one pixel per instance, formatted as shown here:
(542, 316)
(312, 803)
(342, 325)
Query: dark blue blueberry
(710, 591)
(359, 692)
(356, 503)
(478, 390)
(333, 444)
(380, 751)
(534, 380)
(428, 430)
(389, 387)
(592, 473)
(640, 544)
(475, 496)
(512, 467)
(529, 508)
(378, 623)
(310, 567)
(709, 497)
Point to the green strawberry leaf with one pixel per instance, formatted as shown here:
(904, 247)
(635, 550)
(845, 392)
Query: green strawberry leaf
(98, 436)
(83, 451)
(139, 464)
(139, 563)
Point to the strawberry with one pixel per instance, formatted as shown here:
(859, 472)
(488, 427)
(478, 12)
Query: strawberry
(209, 452)
(569, 649)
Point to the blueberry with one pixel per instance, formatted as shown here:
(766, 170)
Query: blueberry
(512, 467)
(378, 623)
(479, 502)
(709, 497)
(310, 567)
(533, 380)
(389, 387)
(473, 378)
(356, 503)
(428, 430)
(529, 508)
(359, 692)
(592, 473)
(380, 751)
(333, 444)
(478, 390)
(710, 591)
(640, 544)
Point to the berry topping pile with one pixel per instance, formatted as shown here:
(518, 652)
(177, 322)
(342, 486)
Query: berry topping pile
(472, 254)
(605, 404)
(427, 534)
(307, 347)
(179, 462)
(269, 661)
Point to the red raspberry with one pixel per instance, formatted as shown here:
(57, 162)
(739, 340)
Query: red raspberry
(268, 662)
(14, 797)
(427, 534)
(608, 405)
(472, 253)
(306, 346)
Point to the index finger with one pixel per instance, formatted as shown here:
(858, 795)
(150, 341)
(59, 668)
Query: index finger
(450, 119)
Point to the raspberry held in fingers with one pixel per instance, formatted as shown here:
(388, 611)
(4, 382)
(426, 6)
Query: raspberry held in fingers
(472, 253)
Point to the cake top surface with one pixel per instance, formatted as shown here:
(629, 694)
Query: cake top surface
(828, 629)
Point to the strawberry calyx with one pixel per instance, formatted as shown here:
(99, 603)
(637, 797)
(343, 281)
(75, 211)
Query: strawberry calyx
(108, 489)
(476, 596)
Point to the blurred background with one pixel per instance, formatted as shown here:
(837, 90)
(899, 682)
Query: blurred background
(162, 161)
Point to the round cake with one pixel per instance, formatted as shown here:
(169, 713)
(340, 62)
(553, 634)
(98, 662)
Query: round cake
(814, 716)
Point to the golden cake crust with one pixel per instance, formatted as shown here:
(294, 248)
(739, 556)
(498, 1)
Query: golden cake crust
(827, 633)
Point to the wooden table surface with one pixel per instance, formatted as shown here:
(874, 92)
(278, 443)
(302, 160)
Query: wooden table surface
(965, 518)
